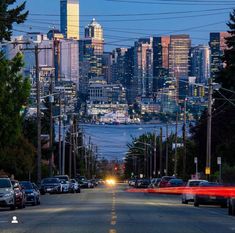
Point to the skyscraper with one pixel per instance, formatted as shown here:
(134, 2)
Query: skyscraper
(217, 46)
(118, 68)
(143, 66)
(91, 51)
(69, 18)
(160, 60)
(200, 63)
(179, 49)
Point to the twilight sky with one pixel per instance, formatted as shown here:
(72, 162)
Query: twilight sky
(126, 20)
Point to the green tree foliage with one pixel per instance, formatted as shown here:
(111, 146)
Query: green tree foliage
(223, 112)
(16, 153)
(14, 91)
(10, 16)
(18, 159)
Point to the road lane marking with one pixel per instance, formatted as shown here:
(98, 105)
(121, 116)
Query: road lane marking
(112, 231)
(113, 222)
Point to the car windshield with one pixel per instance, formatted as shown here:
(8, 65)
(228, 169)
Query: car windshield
(194, 183)
(50, 180)
(119, 111)
(5, 183)
(26, 185)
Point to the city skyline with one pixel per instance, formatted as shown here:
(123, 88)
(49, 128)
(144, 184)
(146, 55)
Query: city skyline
(123, 24)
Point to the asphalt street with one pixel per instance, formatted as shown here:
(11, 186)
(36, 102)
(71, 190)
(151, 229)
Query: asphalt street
(113, 210)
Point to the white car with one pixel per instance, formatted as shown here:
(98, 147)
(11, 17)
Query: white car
(187, 196)
(65, 186)
(7, 196)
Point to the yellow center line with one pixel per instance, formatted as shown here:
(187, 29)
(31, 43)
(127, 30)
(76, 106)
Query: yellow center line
(112, 231)
(113, 222)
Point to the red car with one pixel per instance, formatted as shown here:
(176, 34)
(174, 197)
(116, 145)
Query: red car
(164, 181)
(20, 197)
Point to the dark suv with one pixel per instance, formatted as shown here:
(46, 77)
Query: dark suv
(50, 185)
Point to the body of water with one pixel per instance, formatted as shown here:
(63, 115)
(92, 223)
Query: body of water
(112, 140)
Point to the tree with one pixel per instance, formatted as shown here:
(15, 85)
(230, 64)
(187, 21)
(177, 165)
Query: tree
(14, 92)
(16, 153)
(10, 16)
(223, 114)
(14, 89)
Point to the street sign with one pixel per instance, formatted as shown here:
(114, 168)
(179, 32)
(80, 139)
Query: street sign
(219, 160)
(195, 159)
(208, 170)
(141, 176)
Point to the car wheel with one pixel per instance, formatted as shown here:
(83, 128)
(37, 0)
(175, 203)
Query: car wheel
(184, 201)
(12, 207)
(229, 208)
(223, 205)
(196, 204)
(35, 202)
(232, 207)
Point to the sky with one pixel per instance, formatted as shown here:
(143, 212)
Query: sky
(124, 21)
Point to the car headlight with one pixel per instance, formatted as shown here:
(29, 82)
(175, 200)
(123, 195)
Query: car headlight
(8, 195)
(30, 194)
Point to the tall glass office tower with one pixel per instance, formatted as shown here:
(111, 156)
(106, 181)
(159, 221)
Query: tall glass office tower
(69, 19)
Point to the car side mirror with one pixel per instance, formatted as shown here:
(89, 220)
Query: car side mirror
(16, 186)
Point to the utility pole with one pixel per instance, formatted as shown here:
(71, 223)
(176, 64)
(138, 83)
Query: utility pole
(209, 119)
(39, 127)
(60, 165)
(36, 51)
(155, 155)
(184, 138)
(70, 150)
(145, 160)
(76, 140)
(176, 140)
(51, 129)
(167, 156)
(75, 148)
(160, 150)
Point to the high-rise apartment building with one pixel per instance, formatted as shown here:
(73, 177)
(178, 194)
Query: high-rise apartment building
(118, 68)
(179, 49)
(160, 61)
(130, 81)
(91, 51)
(143, 67)
(200, 63)
(69, 19)
(217, 46)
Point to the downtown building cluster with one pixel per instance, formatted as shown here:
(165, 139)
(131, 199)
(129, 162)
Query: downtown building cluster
(157, 73)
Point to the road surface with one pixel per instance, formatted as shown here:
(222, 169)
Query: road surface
(113, 210)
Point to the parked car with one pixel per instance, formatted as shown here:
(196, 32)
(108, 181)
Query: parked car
(62, 177)
(142, 183)
(7, 194)
(32, 192)
(83, 184)
(154, 182)
(65, 185)
(164, 181)
(50, 185)
(231, 206)
(187, 197)
(209, 199)
(132, 182)
(74, 186)
(20, 196)
(175, 183)
(90, 184)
